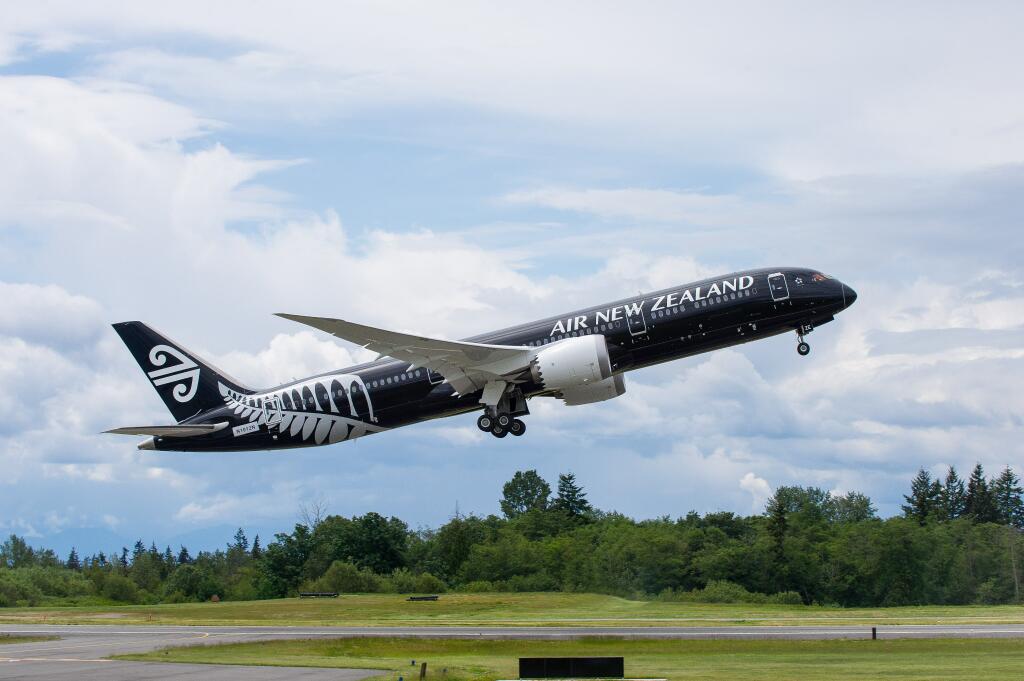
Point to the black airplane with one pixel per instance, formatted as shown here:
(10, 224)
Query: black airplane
(580, 358)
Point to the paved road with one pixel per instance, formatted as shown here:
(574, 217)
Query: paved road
(80, 652)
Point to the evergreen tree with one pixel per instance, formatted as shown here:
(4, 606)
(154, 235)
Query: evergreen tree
(979, 505)
(137, 552)
(241, 541)
(1006, 496)
(923, 501)
(169, 558)
(72, 562)
(777, 511)
(256, 550)
(571, 497)
(183, 557)
(526, 491)
(953, 500)
(124, 558)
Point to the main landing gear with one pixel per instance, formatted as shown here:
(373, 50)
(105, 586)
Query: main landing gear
(500, 420)
(802, 348)
(501, 425)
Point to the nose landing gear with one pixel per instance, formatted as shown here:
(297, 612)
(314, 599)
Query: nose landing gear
(802, 348)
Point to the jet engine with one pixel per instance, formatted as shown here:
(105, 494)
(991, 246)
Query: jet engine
(613, 386)
(572, 363)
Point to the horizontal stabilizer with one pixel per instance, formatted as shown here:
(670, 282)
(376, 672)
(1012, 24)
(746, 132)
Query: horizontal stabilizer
(171, 431)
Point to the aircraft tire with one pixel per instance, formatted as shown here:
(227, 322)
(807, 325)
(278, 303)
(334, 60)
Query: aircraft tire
(498, 431)
(485, 423)
(518, 428)
(504, 420)
(803, 349)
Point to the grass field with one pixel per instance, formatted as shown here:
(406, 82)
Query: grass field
(495, 609)
(9, 638)
(906, 660)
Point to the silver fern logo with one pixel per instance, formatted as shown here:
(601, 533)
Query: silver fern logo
(322, 410)
(185, 374)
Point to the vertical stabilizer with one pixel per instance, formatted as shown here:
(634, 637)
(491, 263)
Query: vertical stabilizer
(187, 384)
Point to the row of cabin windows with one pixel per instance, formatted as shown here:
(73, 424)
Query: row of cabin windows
(400, 378)
(582, 332)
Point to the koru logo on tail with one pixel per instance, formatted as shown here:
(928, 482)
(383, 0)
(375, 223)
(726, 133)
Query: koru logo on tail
(185, 373)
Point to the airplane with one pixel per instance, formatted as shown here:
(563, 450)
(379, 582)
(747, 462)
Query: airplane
(580, 357)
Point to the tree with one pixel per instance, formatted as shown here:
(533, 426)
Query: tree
(15, 552)
(241, 541)
(777, 511)
(256, 550)
(526, 491)
(953, 500)
(183, 557)
(1006, 497)
(72, 563)
(978, 504)
(571, 498)
(852, 507)
(923, 501)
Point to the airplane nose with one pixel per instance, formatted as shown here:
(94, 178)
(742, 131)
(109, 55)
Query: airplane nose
(849, 295)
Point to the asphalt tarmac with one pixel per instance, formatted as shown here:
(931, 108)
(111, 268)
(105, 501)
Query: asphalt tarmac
(81, 651)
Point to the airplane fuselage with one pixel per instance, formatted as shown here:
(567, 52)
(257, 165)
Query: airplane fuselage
(639, 331)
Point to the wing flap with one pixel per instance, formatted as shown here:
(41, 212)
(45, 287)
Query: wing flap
(171, 431)
(466, 366)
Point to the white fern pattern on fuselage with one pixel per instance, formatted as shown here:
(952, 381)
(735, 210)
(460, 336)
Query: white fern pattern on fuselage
(322, 419)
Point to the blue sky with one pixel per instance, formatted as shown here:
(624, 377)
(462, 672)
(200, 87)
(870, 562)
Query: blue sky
(452, 169)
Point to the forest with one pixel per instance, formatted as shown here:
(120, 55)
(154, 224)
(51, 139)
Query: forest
(957, 542)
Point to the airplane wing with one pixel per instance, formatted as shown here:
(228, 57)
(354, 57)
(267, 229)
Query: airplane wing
(468, 367)
(171, 431)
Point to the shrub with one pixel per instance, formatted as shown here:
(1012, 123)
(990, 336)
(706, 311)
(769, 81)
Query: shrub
(345, 577)
(122, 589)
(427, 583)
(477, 587)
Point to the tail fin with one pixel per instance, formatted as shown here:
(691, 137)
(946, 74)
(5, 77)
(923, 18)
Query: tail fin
(185, 383)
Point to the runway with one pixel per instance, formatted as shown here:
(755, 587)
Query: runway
(80, 653)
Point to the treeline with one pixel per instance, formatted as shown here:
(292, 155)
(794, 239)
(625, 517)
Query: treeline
(957, 543)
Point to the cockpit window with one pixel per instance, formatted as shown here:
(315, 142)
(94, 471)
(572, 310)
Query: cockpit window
(818, 276)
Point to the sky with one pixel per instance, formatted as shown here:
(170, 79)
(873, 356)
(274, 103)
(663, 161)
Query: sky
(452, 168)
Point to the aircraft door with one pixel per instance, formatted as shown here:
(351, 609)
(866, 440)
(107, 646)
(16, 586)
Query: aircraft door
(635, 320)
(778, 286)
(272, 411)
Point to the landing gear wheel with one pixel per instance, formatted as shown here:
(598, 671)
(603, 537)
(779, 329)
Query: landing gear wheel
(504, 420)
(517, 428)
(803, 348)
(498, 431)
(485, 423)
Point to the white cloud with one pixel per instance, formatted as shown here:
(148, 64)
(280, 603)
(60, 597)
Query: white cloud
(924, 89)
(758, 488)
(658, 205)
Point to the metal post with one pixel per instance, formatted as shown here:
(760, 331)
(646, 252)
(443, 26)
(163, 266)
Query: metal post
(874, 633)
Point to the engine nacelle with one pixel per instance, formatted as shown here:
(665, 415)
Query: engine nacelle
(572, 363)
(613, 386)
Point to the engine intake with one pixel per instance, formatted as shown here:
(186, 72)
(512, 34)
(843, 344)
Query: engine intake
(572, 363)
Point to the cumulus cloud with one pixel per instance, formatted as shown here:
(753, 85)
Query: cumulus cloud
(758, 488)
(126, 196)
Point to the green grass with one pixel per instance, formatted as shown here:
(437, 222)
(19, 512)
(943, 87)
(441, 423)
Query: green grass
(907, 660)
(11, 638)
(503, 609)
